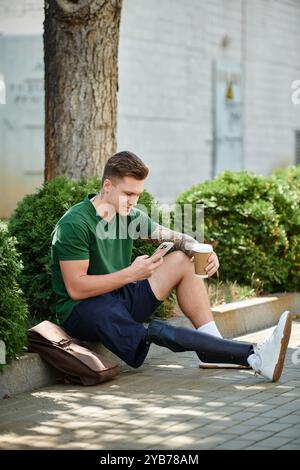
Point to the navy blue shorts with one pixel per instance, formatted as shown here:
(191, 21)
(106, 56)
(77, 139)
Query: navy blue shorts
(116, 320)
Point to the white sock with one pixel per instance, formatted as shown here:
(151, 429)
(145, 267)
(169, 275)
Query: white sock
(254, 361)
(210, 328)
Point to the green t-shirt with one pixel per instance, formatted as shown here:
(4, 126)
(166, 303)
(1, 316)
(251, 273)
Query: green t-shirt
(82, 234)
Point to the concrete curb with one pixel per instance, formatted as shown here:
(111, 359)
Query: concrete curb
(25, 374)
(247, 316)
(234, 319)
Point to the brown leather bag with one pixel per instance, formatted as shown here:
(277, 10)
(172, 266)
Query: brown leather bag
(79, 364)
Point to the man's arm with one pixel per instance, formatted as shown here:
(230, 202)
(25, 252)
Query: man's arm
(184, 243)
(157, 234)
(181, 241)
(81, 285)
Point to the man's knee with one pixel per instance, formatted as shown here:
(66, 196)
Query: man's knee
(180, 259)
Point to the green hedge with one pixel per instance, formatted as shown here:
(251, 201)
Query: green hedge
(253, 223)
(13, 309)
(32, 224)
(287, 204)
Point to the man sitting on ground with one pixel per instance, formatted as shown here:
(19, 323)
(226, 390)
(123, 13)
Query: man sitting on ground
(102, 296)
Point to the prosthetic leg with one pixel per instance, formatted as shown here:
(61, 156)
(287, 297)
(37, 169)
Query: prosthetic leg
(207, 347)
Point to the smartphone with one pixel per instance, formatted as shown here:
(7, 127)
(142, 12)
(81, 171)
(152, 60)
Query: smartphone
(163, 247)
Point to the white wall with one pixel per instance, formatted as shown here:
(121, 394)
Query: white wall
(272, 64)
(22, 117)
(165, 57)
(165, 80)
(21, 17)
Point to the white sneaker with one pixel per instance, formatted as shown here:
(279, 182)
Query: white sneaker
(270, 353)
(217, 365)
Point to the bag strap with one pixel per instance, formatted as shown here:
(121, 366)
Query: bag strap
(51, 332)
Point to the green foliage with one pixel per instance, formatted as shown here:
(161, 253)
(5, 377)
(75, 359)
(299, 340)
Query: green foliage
(13, 309)
(32, 225)
(151, 206)
(253, 223)
(164, 310)
(287, 203)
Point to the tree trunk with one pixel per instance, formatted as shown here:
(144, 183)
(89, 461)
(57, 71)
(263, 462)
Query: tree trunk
(81, 83)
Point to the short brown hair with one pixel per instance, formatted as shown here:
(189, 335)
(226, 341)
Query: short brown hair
(125, 164)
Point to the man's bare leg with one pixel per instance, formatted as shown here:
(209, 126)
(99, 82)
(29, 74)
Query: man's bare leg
(178, 271)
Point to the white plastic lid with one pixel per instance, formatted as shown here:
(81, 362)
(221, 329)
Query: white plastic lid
(202, 248)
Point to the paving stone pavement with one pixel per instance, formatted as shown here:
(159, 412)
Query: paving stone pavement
(168, 403)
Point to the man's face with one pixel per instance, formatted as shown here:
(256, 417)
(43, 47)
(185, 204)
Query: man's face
(123, 193)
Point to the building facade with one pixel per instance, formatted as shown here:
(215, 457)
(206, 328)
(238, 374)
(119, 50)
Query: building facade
(203, 86)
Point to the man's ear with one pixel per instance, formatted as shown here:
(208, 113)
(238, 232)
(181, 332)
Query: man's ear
(107, 184)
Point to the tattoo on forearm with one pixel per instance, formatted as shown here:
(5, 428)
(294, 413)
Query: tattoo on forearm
(181, 241)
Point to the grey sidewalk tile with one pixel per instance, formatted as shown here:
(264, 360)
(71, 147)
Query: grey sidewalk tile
(293, 383)
(275, 442)
(258, 447)
(257, 436)
(243, 416)
(259, 421)
(237, 444)
(240, 429)
(278, 413)
(279, 400)
(208, 429)
(275, 426)
(196, 442)
(296, 441)
(292, 406)
(289, 433)
(289, 447)
(169, 401)
(293, 394)
(290, 419)
(225, 411)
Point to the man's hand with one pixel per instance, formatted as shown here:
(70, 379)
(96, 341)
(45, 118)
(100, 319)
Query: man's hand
(212, 264)
(185, 243)
(143, 266)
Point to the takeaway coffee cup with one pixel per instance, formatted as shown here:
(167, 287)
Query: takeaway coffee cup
(202, 252)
